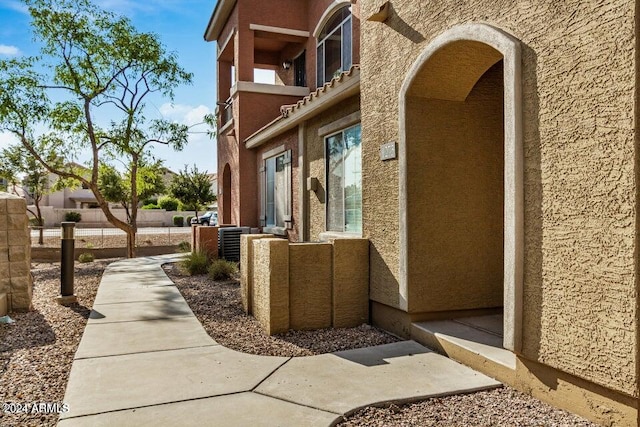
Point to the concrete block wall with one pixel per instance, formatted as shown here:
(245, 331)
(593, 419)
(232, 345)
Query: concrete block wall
(305, 285)
(271, 284)
(246, 273)
(16, 284)
(310, 286)
(350, 282)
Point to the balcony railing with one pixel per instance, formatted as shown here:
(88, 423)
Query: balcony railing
(226, 112)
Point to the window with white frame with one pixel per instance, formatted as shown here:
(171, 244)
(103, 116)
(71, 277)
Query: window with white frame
(334, 46)
(276, 191)
(344, 180)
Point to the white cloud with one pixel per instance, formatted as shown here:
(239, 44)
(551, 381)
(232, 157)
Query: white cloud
(185, 114)
(6, 139)
(9, 50)
(15, 5)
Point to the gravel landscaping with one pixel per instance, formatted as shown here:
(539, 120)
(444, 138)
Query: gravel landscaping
(37, 350)
(36, 354)
(112, 240)
(218, 307)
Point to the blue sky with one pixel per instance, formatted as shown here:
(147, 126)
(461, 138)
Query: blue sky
(180, 25)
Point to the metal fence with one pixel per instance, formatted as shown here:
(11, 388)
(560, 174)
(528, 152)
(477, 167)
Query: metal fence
(111, 237)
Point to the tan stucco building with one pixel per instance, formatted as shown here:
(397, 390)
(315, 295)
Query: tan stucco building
(496, 168)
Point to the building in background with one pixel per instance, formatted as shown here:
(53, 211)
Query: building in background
(488, 154)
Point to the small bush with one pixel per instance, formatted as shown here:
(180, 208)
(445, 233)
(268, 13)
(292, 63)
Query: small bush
(34, 222)
(195, 263)
(150, 201)
(86, 257)
(184, 246)
(188, 221)
(221, 269)
(168, 203)
(150, 206)
(178, 220)
(73, 216)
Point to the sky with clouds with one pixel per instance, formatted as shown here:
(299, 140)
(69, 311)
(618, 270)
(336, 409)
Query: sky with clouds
(180, 25)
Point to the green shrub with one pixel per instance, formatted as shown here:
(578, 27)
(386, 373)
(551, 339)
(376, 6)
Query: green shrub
(34, 222)
(86, 257)
(184, 246)
(195, 263)
(221, 269)
(168, 203)
(73, 216)
(151, 206)
(150, 201)
(178, 220)
(188, 221)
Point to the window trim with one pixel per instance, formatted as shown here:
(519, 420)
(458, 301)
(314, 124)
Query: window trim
(329, 13)
(332, 233)
(288, 215)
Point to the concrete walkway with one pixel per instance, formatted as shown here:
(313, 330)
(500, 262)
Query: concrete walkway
(144, 359)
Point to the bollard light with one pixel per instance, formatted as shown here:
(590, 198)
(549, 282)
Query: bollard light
(67, 249)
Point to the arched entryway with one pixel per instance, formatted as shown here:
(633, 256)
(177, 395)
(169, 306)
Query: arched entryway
(226, 195)
(461, 177)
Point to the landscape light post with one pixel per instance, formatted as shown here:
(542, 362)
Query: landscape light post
(67, 248)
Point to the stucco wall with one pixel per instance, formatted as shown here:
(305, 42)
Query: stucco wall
(315, 150)
(580, 193)
(455, 177)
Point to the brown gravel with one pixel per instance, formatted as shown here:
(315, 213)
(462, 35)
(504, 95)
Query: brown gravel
(503, 407)
(116, 241)
(36, 352)
(218, 307)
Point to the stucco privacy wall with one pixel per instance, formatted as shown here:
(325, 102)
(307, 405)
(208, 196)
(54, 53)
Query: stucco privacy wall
(578, 71)
(305, 285)
(15, 254)
(246, 272)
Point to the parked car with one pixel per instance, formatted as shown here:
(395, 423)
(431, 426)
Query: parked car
(209, 218)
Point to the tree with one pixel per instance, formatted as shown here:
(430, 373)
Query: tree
(23, 171)
(116, 189)
(94, 64)
(192, 188)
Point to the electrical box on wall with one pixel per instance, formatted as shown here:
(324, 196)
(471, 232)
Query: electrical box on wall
(388, 151)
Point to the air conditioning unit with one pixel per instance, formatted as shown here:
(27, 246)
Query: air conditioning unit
(229, 242)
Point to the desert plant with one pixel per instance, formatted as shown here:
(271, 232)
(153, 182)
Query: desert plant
(168, 203)
(221, 269)
(86, 257)
(178, 220)
(195, 263)
(73, 216)
(184, 246)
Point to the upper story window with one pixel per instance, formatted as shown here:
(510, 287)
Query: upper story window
(334, 46)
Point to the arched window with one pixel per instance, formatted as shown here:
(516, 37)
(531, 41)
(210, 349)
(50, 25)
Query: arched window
(334, 46)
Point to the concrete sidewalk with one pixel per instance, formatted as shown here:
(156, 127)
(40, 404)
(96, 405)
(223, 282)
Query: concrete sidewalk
(144, 359)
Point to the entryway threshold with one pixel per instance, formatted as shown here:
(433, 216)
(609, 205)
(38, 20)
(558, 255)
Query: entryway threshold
(476, 342)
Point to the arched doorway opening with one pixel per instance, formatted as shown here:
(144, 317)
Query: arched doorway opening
(461, 178)
(226, 195)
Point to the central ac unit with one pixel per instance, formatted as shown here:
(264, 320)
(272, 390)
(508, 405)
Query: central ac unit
(229, 242)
